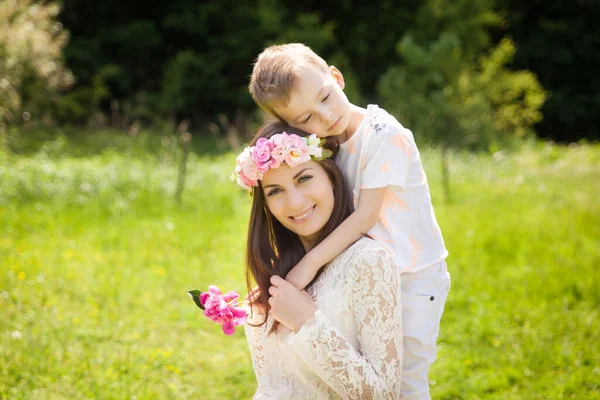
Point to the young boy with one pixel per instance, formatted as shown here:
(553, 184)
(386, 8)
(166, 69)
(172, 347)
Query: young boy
(381, 161)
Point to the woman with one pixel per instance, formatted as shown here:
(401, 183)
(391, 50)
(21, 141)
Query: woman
(342, 337)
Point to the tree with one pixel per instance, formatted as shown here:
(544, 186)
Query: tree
(559, 42)
(453, 87)
(31, 66)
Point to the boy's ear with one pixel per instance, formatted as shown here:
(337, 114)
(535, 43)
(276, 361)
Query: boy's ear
(337, 75)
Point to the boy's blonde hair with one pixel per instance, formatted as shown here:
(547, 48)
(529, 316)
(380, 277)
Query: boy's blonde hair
(275, 71)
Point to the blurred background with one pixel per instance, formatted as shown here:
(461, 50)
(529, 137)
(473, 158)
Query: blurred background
(119, 127)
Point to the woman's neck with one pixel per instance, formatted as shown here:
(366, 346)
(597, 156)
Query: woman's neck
(308, 242)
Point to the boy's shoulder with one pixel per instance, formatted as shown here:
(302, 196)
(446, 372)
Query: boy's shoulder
(380, 128)
(380, 122)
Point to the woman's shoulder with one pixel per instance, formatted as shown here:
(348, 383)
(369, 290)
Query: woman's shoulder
(367, 260)
(366, 248)
(367, 243)
(255, 315)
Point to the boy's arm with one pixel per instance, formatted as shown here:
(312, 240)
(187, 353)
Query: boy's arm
(353, 228)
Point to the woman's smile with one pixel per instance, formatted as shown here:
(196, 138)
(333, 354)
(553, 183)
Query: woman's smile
(305, 215)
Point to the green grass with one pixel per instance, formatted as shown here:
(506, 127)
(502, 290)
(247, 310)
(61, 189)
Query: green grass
(96, 259)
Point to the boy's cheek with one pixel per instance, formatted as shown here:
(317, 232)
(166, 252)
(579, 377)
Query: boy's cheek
(322, 134)
(317, 130)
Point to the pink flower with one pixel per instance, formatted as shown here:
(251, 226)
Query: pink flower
(295, 156)
(243, 157)
(246, 183)
(246, 168)
(277, 155)
(295, 151)
(267, 154)
(251, 171)
(295, 141)
(262, 154)
(223, 309)
(280, 138)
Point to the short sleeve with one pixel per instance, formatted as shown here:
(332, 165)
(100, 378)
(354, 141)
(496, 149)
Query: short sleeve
(388, 156)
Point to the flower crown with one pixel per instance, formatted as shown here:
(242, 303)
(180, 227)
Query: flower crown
(268, 154)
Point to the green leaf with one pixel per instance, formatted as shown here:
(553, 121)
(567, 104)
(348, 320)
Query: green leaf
(195, 295)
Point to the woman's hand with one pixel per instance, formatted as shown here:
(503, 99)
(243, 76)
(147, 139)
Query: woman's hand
(252, 300)
(290, 306)
(253, 295)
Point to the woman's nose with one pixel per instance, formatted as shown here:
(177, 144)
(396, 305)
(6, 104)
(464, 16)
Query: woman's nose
(295, 201)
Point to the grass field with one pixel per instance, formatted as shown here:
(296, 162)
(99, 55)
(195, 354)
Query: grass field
(96, 259)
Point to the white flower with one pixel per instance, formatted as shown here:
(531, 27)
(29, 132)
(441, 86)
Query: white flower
(313, 141)
(314, 146)
(244, 156)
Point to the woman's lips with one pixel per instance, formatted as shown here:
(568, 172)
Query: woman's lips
(302, 217)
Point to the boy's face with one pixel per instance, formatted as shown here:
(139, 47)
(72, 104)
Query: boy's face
(317, 103)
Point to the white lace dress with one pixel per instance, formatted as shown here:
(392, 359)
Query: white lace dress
(351, 348)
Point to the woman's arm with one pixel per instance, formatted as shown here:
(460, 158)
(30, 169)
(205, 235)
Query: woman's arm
(374, 370)
(256, 336)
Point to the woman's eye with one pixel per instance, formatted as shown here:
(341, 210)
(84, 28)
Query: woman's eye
(325, 98)
(307, 118)
(273, 192)
(304, 178)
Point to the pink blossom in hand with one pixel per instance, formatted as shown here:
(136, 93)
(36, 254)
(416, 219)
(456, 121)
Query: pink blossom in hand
(223, 309)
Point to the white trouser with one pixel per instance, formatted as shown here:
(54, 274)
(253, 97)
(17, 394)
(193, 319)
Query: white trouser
(424, 295)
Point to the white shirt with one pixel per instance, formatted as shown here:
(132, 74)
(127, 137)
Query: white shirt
(382, 153)
(351, 348)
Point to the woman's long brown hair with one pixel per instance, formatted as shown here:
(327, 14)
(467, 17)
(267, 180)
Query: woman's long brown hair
(271, 248)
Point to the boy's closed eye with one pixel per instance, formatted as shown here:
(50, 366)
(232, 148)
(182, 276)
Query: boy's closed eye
(310, 115)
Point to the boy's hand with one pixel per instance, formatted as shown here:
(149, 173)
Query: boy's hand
(301, 275)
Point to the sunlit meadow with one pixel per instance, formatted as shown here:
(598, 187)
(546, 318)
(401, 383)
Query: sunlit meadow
(96, 258)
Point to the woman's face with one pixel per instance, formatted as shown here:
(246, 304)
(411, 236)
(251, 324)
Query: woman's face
(301, 198)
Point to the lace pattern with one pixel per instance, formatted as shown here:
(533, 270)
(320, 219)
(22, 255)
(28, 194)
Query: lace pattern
(351, 348)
